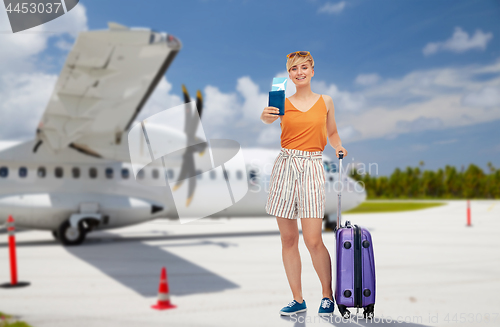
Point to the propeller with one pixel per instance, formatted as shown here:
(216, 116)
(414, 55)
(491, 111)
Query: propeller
(188, 168)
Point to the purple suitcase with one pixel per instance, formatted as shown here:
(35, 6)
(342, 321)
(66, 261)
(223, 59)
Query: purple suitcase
(355, 282)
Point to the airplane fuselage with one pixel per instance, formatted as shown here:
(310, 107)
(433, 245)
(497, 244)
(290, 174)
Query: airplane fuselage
(41, 189)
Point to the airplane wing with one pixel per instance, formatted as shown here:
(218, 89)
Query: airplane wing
(104, 83)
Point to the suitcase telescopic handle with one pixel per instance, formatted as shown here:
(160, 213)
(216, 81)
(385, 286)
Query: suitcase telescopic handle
(341, 156)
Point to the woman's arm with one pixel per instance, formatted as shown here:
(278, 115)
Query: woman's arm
(267, 116)
(331, 127)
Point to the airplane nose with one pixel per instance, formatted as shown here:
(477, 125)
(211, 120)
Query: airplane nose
(155, 209)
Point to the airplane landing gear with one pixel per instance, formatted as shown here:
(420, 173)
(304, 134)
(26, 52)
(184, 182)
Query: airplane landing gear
(55, 235)
(69, 235)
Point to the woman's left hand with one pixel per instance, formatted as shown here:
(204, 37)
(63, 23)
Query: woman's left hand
(340, 148)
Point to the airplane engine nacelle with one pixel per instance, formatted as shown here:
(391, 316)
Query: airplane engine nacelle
(49, 210)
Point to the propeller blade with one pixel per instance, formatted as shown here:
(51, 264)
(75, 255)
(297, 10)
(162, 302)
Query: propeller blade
(185, 92)
(190, 127)
(191, 188)
(199, 107)
(199, 102)
(187, 113)
(187, 169)
(182, 173)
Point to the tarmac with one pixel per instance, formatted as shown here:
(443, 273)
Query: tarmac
(431, 270)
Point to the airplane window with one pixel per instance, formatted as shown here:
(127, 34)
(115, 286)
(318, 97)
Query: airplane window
(93, 172)
(326, 164)
(140, 174)
(212, 174)
(23, 172)
(198, 174)
(75, 172)
(239, 174)
(252, 174)
(125, 173)
(4, 172)
(226, 174)
(170, 174)
(59, 172)
(41, 172)
(109, 173)
(156, 173)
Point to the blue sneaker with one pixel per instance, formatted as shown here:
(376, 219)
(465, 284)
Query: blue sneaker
(293, 307)
(326, 308)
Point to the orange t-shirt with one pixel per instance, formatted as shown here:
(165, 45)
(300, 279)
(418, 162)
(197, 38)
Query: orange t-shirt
(304, 130)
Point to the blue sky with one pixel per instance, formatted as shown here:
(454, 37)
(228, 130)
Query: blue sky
(411, 80)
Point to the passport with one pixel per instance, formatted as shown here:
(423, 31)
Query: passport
(277, 99)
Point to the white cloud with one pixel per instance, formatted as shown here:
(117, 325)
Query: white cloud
(427, 99)
(348, 132)
(444, 142)
(342, 100)
(367, 79)
(24, 88)
(161, 99)
(19, 49)
(219, 108)
(64, 45)
(72, 23)
(421, 85)
(419, 124)
(460, 42)
(254, 101)
(24, 97)
(270, 134)
(431, 48)
(332, 8)
(419, 147)
(486, 97)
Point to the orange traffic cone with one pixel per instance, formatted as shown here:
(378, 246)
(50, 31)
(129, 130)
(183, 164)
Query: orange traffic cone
(163, 296)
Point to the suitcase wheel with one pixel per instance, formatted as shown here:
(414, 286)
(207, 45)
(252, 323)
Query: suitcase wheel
(369, 311)
(346, 314)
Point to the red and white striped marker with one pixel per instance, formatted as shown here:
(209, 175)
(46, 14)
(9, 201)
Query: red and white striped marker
(469, 223)
(11, 229)
(163, 296)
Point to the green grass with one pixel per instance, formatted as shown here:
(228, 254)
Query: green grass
(16, 324)
(7, 321)
(375, 207)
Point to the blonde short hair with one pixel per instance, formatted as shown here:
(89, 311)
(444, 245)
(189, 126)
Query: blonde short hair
(298, 60)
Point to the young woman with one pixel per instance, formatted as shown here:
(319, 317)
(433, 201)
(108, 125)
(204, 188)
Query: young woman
(297, 185)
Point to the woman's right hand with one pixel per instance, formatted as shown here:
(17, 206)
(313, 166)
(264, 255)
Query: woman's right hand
(267, 115)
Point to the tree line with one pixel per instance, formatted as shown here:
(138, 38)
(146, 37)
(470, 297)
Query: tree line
(447, 183)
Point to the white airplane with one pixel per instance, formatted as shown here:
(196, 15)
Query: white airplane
(281, 86)
(76, 175)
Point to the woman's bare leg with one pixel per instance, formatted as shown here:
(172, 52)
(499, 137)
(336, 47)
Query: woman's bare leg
(311, 230)
(289, 233)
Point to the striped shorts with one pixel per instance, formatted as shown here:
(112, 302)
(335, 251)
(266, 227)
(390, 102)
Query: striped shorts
(297, 185)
